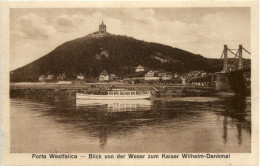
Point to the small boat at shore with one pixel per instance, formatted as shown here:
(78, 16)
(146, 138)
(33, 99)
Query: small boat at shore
(115, 94)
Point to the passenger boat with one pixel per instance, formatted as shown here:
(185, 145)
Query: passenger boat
(116, 105)
(115, 94)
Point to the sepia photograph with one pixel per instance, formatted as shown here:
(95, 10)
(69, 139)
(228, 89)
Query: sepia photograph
(133, 80)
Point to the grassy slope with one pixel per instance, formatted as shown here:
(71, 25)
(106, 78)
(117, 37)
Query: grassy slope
(117, 54)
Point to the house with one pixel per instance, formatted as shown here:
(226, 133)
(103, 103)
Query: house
(162, 73)
(139, 68)
(151, 75)
(42, 78)
(176, 75)
(204, 74)
(61, 77)
(183, 81)
(196, 74)
(192, 75)
(80, 76)
(104, 76)
(50, 77)
(185, 75)
(112, 77)
(184, 78)
(167, 76)
(200, 74)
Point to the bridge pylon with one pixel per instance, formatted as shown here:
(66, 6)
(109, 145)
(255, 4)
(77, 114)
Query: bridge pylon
(225, 64)
(240, 58)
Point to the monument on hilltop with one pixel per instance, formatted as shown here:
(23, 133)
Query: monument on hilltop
(102, 28)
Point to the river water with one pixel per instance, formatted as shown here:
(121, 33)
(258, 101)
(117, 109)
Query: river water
(47, 124)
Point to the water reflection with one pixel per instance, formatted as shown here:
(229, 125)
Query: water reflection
(115, 105)
(239, 111)
(170, 125)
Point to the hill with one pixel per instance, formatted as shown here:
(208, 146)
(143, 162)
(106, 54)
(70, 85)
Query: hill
(95, 52)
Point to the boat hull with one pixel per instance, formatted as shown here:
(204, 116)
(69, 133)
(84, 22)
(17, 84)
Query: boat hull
(116, 105)
(112, 97)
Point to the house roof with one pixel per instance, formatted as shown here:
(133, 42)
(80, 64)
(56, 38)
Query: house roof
(140, 67)
(50, 76)
(104, 73)
(193, 74)
(185, 75)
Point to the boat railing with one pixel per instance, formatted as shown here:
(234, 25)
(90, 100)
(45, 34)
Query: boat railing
(112, 92)
(118, 89)
(126, 93)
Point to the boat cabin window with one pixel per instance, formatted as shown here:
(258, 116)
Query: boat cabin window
(122, 93)
(133, 93)
(103, 93)
(127, 93)
(110, 93)
(116, 93)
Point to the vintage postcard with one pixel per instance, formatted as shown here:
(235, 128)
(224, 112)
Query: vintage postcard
(130, 83)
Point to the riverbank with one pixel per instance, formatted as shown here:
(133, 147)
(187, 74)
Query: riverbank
(155, 89)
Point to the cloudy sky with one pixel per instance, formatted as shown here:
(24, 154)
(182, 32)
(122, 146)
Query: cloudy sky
(36, 32)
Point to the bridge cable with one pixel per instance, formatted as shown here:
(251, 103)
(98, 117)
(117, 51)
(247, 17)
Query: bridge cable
(246, 50)
(233, 52)
(222, 54)
(234, 57)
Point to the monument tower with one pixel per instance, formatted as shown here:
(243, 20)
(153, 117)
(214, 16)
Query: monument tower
(102, 28)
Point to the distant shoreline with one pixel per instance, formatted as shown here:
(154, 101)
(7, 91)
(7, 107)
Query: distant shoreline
(160, 89)
(30, 85)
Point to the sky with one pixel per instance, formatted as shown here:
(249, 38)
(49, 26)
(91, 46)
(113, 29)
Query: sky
(34, 32)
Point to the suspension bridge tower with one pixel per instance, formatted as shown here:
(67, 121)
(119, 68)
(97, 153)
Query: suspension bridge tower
(236, 68)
